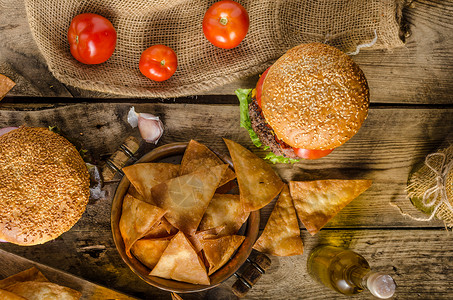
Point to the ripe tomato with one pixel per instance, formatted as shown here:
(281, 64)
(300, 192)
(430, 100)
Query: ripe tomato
(225, 24)
(311, 154)
(158, 62)
(259, 87)
(92, 38)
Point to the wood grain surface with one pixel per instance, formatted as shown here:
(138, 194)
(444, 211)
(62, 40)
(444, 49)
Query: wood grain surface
(411, 115)
(13, 264)
(419, 72)
(419, 261)
(368, 224)
(378, 151)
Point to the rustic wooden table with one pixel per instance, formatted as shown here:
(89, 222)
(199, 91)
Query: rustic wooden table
(411, 115)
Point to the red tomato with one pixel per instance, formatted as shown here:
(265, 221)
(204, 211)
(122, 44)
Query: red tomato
(311, 154)
(92, 38)
(225, 24)
(158, 62)
(259, 87)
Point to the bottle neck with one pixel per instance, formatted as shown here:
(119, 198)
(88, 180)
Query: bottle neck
(359, 276)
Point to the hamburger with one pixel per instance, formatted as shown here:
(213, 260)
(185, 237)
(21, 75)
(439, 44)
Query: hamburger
(44, 185)
(310, 101)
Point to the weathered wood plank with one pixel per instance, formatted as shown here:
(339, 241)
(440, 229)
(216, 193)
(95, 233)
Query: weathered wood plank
(417, 73)
(390, 143)
(419, 261)
(420, 71)
(13, 264)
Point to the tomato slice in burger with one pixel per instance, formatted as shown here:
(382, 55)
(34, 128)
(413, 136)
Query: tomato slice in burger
(311, 154)
(259, 87)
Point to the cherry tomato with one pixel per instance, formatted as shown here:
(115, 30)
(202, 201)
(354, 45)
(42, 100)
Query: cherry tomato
(311, 154)
(259, 87)
(225, 24)
(158, 62)
(92, 38)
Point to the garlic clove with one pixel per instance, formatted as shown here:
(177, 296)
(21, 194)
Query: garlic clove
(151, 128)
(132, 117)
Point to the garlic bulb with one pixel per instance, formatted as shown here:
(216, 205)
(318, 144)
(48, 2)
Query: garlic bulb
(150, 126)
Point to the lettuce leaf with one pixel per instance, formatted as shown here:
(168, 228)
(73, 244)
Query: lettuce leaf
(245, 97)
(280, 159)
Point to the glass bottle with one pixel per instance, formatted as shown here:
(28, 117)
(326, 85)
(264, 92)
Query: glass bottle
(348, 272)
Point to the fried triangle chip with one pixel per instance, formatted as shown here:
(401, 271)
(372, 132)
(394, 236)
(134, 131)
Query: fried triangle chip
(197, 157)
(218, 251)
(281, 235)
(317, 202)
(180, 262)
(32, 274)
(136, 220)
(211, 233)
(6, 85)
(149, 251)
(258, 183)
(227, 210)
(5, 295)
(43, 290)
(134, 193)
(161, 229)
(146, 175)
(186, 198)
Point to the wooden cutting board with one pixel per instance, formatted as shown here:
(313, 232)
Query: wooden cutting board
(12, 264)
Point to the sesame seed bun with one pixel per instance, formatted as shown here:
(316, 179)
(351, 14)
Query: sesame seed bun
(315, 97)
(44, 186)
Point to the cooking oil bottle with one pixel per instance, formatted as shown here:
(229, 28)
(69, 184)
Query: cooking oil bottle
(348, 272)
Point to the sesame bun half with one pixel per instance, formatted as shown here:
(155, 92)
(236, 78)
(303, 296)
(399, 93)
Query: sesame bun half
(44, 186)
(315, 97)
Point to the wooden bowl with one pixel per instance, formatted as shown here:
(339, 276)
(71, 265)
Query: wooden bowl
(173, 153)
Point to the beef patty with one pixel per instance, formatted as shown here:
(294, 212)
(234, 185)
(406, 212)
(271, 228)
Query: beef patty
(266, 134)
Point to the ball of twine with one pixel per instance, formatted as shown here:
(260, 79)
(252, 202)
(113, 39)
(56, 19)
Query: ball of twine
(430, 187)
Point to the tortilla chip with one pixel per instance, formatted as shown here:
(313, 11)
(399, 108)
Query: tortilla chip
(136, 220)
(211, 233)
(149, 251)
(227, 210)
(281, 235)
(6, 85)
(180, 262)
(146, 175)
(35, 290)
(186, 198)
(32, 274)
(134, 193)
(319, 201)
(219, 251)
(161, 229)
(198, 157)
(5, 295)
(258, 183)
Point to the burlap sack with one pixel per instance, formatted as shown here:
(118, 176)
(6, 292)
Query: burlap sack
(275, 26)
(430, 186)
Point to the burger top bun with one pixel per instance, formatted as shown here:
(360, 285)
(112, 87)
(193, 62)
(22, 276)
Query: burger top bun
(44, 186)
(315, 97)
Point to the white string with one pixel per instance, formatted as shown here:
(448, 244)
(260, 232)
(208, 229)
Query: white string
(357, 50)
